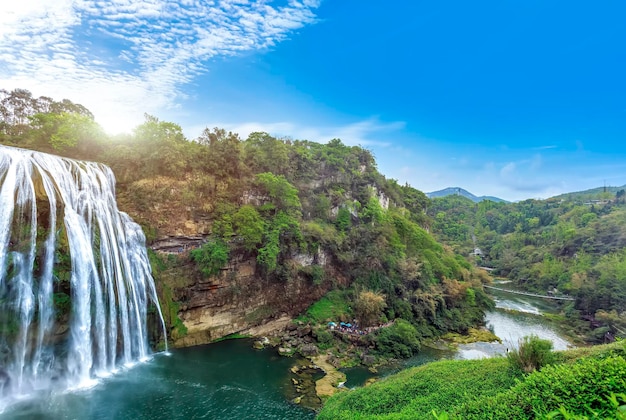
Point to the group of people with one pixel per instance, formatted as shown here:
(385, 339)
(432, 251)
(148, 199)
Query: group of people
(349, 328)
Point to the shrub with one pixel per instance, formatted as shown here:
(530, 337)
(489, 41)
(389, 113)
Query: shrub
(399, 340)
(332, 307)
(416, 392)
(211, 257)
(581, 389)
(368, 307)
(532, 354)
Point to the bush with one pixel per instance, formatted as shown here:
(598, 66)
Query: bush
(399, 340)
(211, 257)
(582, 389)
(415, 392)
(332, 307)
(532, 354)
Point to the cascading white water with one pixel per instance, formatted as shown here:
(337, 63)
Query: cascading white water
(59, 214)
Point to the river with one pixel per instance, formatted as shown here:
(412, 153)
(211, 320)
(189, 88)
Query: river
(231, 380)
(515, 316)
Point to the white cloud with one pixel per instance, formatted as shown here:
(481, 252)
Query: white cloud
(122, 58)
(508, 169)
(369, 132)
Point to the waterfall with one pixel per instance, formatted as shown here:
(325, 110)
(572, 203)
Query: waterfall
(75, 280)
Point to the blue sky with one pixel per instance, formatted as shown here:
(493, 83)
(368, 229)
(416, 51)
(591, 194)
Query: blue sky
(507, 98)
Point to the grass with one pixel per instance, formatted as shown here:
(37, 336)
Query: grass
(415, 392)
(579, 381)
(332, 307)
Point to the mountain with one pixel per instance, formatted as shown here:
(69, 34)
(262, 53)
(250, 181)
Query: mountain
(460, 191)
(597, 193)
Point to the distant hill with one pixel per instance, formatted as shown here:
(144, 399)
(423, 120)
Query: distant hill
(460, 191)
(591, 194)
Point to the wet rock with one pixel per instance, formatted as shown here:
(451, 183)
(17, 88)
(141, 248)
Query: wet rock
(334, 361)
(306, 330)
(62, 329)
(285, 351)
(309, 350)
(368, 360)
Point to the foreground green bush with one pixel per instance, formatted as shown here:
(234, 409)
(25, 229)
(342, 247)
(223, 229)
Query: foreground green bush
(582, 388)
(416, 392)
(493, 389)
(532, 354)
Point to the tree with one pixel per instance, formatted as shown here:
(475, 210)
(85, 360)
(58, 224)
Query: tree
(368, 307)
(249, 226)
(211, 257)
(282, 226)
(264, 153)
(64, 130)
(153, 131)
(283, 195)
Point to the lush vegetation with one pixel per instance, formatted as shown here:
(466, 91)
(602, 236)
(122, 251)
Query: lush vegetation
(573, 245)
(532, 353)
(302, 211)
(580, 387)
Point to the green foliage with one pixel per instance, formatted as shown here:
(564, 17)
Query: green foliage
(170, 308)
(617, 401)
(249, 226)
(343, 220)
(581, 388)
(282, 194)
(282, 228)
(573, 246)
(372, 211)
(414, 393)
(586, 388)
(65, 130)
(62, 304)
(155, 131)
(315, 273)
(400, 340)
(332, 307)
(368, 307)
(211, 257)
(532, 354)
(324, 337)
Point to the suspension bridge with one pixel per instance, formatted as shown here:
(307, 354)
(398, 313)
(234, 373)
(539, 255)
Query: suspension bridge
(529, 294)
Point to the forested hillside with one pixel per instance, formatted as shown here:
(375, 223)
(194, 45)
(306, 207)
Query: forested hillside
(306, 217)
(571, 245)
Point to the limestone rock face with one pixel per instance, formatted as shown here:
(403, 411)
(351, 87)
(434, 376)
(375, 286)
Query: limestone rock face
(239, 300)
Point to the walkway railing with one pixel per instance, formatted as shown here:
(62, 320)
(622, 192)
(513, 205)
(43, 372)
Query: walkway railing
(529, 294)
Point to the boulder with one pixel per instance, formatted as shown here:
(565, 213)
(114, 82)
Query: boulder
(309, 350)
(368, 359)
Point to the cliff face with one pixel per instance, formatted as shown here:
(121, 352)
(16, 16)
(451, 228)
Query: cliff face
(237, 227)
(238, 299)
